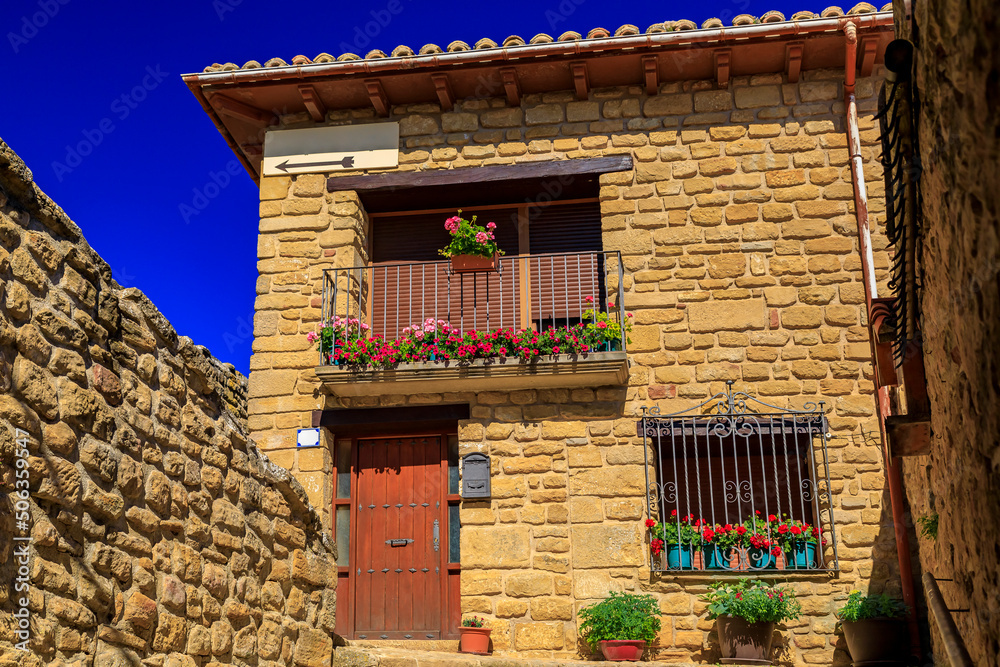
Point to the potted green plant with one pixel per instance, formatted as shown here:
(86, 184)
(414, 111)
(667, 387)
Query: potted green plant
(764, 548)
(473, 247)
(798, 541)
(875, 629)
(679, 535)
(474, 636)
(718, 543)
(745, 613)
(621, 625)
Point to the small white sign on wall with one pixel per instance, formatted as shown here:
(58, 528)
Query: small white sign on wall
(307, 437)
(326, 149)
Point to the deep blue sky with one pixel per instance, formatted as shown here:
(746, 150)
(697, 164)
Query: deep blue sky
(66, 65)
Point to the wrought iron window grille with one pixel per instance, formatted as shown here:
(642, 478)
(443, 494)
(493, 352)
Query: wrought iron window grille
(734, 461)
(898, 113)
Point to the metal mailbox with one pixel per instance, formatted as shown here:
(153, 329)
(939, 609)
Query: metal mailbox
(475, 475)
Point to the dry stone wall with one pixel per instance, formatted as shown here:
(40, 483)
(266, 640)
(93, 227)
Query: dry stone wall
(159, 534)
(740, 246)
(957, 64)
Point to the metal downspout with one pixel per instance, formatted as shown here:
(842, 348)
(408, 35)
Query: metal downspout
(892, 463)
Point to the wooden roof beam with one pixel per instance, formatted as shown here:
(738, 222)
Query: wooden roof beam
(651, 74)
(721, 59)
(314, 105)
(511, 85)
(227, 106)
(376, 93)
(444, 92)
(793, 61)
(867, 53)
(581, 79)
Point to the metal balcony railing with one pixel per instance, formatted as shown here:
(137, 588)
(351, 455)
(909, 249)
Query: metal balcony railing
(524, 292)
(737, 490)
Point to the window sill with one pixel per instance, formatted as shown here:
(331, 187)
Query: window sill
(594, 369)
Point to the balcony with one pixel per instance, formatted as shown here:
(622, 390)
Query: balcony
(536, 321)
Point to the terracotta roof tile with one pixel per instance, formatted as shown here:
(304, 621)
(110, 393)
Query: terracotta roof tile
(403, 51)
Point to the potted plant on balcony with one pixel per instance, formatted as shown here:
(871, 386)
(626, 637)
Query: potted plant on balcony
(621, 625)
(679, 535)
(604, 326)
(473, 247)
(764, 548)
(875, 629)
(745, 613)
(474, 636)
(798, 541)
(718, 543)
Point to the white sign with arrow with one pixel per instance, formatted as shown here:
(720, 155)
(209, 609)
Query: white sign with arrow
(328, 149)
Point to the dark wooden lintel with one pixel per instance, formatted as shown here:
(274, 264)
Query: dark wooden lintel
(377, 96)
(227, 106)
(511, 85)
(443, 89)
(793, 61)
(581, 80)
(314, 105)
(721, 58)
(651, 75)
(385, 421)
(466, 175)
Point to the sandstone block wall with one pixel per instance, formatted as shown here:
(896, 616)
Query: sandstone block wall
(957, 60)
(159, 533)
(740, 248)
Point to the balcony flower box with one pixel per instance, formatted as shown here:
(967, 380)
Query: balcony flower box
(473, 263)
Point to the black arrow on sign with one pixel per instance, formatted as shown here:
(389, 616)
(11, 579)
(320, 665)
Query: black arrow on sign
(346, 163)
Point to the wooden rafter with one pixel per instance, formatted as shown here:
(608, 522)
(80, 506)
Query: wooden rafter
(227, 106)
(443, 89)
(867, 52)
(511, 85)
(721, 59)
(581, 79)
(651, 74)
(376, 93)
(314, 105)
(793, 61)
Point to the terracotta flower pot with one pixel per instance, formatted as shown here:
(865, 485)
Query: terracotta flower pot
(877, 641)
(744, 643)
(473, 263)
(621, 650)
(474, 640)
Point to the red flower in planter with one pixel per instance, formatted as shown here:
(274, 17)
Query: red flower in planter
(650, 523)
(771, 517)
(740, 530)
(656, 546)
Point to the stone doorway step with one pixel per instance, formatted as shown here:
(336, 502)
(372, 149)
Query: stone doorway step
(354, 655)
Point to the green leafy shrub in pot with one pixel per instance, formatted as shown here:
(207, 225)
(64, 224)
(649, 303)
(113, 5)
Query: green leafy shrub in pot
(620, 616)
(752, 600)
(860, 607)
(875, 629)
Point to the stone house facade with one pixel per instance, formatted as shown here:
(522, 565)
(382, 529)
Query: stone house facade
(725, 187)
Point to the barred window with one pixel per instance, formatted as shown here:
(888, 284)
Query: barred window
(731, 489)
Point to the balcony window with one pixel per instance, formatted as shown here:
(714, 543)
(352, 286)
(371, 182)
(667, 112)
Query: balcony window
(561, 311)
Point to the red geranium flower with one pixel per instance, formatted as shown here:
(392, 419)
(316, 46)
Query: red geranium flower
(740, 530)
(650, 523)
(771, 517)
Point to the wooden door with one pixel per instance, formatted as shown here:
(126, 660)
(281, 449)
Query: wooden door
(400, 555)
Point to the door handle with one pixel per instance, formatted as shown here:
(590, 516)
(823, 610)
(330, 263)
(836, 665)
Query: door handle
(398, 542)
(437, 534)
